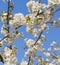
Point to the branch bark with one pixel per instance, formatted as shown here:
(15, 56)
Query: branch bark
(8, 15)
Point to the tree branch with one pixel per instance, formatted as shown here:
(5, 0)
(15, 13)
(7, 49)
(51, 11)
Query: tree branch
(8, 15)
(38, 37)
(39, 1)
(4, 37)
(29, 61)
(1, 58)
(57, 10)
(18, 27)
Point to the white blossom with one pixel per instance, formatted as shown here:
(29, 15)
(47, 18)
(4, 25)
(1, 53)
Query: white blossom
(24, 63)
(18, 20)
(4, 30)
(54, 43)
(51, 64)
(56, 49)
(35, 22)
(54, 2)
(7, 52)
(29, 42)
(56, 23)
(34, 7)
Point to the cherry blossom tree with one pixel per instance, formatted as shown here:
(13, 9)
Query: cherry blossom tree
(36, 22)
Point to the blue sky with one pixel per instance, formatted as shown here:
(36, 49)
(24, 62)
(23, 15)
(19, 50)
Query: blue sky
(20, 7)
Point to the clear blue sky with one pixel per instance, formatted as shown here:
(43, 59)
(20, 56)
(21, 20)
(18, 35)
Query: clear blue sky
(20, 6)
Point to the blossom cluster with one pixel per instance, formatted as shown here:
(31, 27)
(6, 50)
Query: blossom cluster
(54, 2)
(36, 22)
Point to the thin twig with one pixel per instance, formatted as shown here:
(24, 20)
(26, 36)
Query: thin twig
(1, 58)
(29, 61)
(39, 1)
(8, 15)
(8, 34)
(38, 37)
(4, 38)
(57, 10)
(18, 27)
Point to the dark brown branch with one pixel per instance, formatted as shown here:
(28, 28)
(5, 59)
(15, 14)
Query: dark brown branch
(35, 44)
(29, 61)
(39, 1)
(1, 58)
(18, 27)
(38, 37)
(4, 38)
(57, 10)
(8, 15)
(8, 34)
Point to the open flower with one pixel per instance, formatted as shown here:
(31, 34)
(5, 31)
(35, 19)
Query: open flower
(54, 2)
